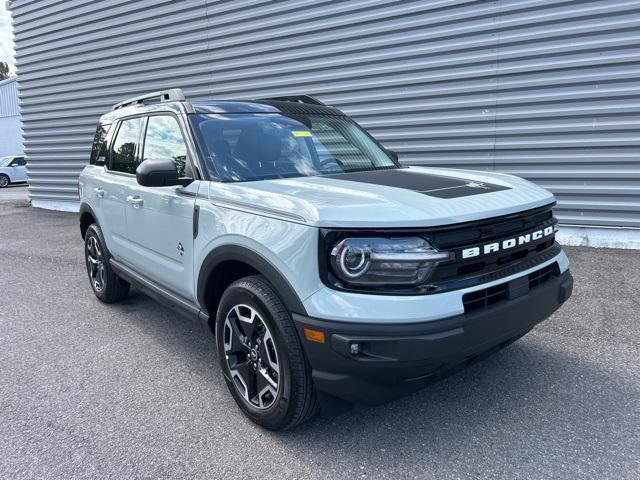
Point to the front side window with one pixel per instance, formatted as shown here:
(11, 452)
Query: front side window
(245, 147)
(123, 152)
(164, 140)
(12, 162)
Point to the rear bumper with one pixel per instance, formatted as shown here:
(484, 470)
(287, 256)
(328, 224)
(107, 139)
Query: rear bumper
(397, 359)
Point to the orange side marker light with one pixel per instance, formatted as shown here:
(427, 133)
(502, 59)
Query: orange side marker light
(313, 335)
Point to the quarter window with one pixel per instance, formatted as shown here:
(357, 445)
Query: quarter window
(123, 152)
(164, 140)
(99, 146)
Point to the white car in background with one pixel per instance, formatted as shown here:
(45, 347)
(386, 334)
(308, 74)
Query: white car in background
(13, 169)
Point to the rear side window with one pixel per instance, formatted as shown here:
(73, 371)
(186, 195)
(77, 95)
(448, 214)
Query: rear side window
(123, 151)
(164, 140)
(99, 146)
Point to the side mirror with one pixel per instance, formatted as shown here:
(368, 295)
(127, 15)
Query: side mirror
(392, 154)
(159, 172)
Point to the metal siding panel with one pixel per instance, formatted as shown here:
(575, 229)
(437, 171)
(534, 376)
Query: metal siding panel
(9, 106)
(546, 90)
(10, 128)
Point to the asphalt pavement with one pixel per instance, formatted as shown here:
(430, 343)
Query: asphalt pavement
(14, 193)
(129, 391)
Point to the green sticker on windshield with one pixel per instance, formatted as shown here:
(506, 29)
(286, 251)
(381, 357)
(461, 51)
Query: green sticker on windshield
(301, 133)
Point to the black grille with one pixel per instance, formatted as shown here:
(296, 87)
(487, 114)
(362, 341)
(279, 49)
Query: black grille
(473, 233)
(502, 263)
(537, 278)
(488, 296)
(485, 297)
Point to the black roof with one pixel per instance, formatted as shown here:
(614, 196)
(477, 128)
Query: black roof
(262, 106)
(173, 100)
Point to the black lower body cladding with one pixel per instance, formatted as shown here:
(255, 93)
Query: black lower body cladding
(393, 360)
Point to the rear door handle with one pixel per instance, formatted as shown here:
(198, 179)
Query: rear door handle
(99, 192)
(136, 201)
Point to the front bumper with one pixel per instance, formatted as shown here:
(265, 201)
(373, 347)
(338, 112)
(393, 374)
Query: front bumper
(397, 359)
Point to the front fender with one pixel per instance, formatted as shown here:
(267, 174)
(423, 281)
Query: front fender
(8, 173)
(246, 255)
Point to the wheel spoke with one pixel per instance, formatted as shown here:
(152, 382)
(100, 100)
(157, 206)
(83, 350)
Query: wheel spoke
(246, 320)
(265, 378)
(268, 351)
(93, 266)
(100, 274)
(234, 339)
(92, 247)
(267, 389)
(248, 375)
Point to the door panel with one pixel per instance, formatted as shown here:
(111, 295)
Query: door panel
(21, 173)
(160, 219)
(160, 231)
(112, 193)
(18, 172)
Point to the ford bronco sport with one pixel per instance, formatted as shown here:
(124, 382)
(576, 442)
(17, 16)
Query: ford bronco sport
(329, 273)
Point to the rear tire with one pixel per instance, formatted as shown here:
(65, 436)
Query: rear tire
(4, 181)
(106, 285)
(261, 356)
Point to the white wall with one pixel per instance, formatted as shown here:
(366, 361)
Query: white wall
(10, 136)
(10, 128)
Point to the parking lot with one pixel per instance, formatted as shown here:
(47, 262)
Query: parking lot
(128, 391)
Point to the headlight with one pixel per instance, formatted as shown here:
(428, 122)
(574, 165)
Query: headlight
(374, 261)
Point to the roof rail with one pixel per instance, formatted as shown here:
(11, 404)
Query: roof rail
(295, 98)
(171, 95)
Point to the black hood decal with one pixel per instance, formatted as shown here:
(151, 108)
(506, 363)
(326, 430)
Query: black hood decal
(438, 186)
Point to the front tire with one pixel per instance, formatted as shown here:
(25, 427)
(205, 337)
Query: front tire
(106, 285)
(4, 181)
(261, 356)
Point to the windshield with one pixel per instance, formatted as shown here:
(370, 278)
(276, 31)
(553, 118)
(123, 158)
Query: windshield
(5, 161)
(243, 147)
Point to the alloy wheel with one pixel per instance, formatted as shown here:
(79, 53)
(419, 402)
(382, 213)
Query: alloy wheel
(4, 181)
(251, 356)
(95, 264)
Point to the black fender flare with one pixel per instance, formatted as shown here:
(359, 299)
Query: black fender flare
(85, 208)
(252, 258)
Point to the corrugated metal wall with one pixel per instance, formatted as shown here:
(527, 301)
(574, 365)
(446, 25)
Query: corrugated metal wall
(9, 98)
(549, 90)
(10, 132)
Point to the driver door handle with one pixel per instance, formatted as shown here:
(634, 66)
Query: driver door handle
(136, 201)
(99, 192)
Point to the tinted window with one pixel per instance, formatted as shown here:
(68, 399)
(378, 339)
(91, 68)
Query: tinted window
(99, 146)
(241, 147)
(164, 140)
(123, 153)
(20, 161)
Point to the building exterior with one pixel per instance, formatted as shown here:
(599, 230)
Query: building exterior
(548, 90)
(10, 130)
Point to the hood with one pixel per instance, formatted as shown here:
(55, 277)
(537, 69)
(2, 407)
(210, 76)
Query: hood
(405, 197)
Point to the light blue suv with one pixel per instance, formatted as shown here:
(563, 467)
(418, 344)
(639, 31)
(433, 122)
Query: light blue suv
(329, 273)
